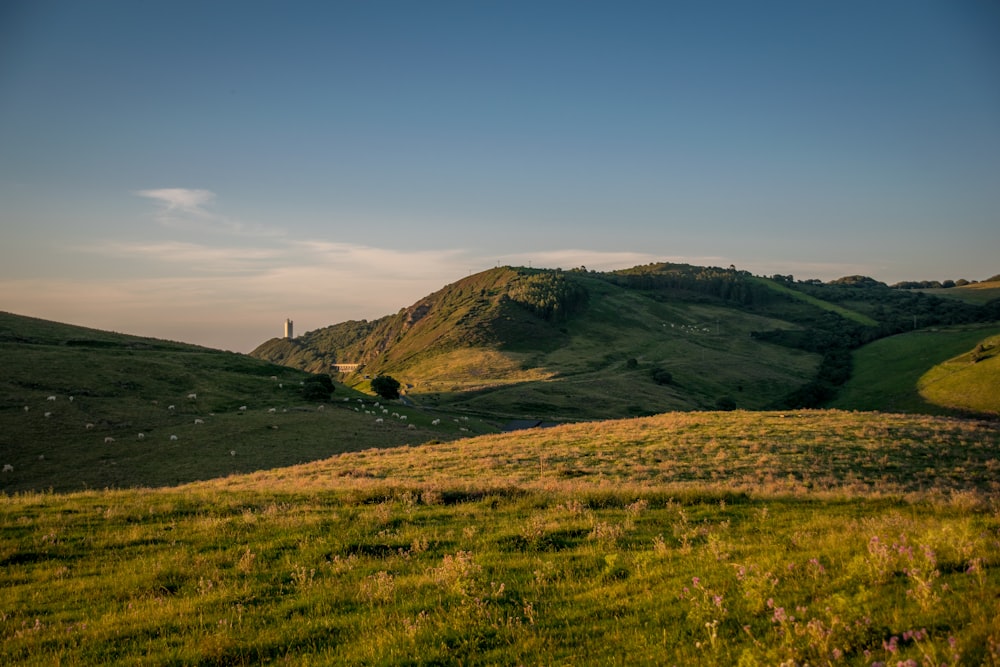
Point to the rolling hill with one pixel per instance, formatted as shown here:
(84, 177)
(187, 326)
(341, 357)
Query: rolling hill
(578, 344)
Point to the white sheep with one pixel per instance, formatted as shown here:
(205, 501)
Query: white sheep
(173, 437)
(192, 396)
(108, 440)
(8, 467)
(141, 436)
(403, 417)
(321, 408)
(274, 378)
(411, 426)
(243, 408)
(26, 408)
(232, 452)
(170, 407)
(48, 414)
(272, 410)
(70, 399)
(378, 421)
(89, 426)
(199, 421)
(51, 398)
(435, 422)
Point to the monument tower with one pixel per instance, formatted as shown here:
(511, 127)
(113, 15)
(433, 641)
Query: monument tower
(288, 329)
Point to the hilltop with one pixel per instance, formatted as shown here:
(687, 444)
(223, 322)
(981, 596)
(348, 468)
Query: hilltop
(579, 344)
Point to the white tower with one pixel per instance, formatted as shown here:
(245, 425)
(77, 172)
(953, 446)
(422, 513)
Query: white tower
(288, 329)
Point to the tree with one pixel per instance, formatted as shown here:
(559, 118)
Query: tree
(317, 388)
(386, 386)
(661, 376)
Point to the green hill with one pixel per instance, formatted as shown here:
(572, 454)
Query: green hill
(911, 372)
(107, 388)
(578, 344)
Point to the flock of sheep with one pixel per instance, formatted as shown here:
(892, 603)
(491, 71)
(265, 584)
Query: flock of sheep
(376, 409)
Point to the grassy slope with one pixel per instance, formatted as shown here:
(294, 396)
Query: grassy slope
(969, 381)
(977, 293)
(887, 373)
(810, 537)
(124, 385)
(847, 313)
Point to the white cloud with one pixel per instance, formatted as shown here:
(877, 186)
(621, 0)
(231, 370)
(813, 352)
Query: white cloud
(182, 200)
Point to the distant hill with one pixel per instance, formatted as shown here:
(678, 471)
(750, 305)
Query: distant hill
(578, 344)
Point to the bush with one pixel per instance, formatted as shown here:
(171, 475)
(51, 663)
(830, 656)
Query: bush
(319, 387)
(386, 386)
(662, 376)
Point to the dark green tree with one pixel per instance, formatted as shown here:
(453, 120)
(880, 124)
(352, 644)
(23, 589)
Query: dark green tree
(386, 386)
(318, 387)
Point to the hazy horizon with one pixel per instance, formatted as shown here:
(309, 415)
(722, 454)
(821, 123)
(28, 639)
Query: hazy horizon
(201, 171)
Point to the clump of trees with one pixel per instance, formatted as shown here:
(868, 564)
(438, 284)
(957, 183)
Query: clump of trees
(550, 295)
(386, 386)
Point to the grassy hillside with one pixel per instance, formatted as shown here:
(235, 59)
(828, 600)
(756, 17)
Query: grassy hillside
(978, 293)
(889, 373)
(108, 388)
(699, 538)
(969, 381)
(578, 344)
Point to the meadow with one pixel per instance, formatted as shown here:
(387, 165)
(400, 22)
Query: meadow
(809, 537)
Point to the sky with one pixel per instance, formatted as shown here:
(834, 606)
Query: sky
(200, 171)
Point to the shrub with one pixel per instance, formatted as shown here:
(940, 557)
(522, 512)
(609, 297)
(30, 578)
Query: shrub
(386, 386)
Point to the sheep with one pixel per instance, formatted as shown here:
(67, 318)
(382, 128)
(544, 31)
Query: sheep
(411, 426)
(321, 408)
(403, 418)
(173, 437)
(170, 407)
(435, 422)
(51, 398)
(243, 408)
(272, 410)
(8, 467)
(108, 440)
(70, 399)
(141, 436)
(378, 421)
(281, 385)
(26, 408)
(192, 396)
(89, 426)
(48, 414)
(199, 421)
(385, 411)
(346, 399)
(232, 452)
(274, 378)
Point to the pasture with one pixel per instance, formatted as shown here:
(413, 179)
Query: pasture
(700, 538)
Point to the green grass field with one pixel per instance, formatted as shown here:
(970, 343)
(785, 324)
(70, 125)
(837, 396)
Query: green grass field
(977, 293)
(888, 373)
(702, 538)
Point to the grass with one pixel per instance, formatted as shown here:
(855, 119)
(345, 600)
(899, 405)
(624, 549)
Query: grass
(847, 313)
(969, 381)
(109, 388)
(737, 538)
(888, 374)
(976, 293)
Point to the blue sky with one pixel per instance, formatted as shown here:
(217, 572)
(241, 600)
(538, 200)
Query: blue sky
(200, 171)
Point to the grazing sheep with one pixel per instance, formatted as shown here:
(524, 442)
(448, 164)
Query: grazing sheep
(435, 422)
(411, 426)
(274, 377)
(272, 410)
(70, 399)
(192, 396)
(321, 408)
(281, 385)
(26, 408)
(232, 452)
(243, 408)
(403, 418)
(378, 421)
(88, 426)
(141, 436)
(108, 440)
(51, 398)
(173, 437)
(346, 399)
(170, 407)
(48, 414)
(199, 421)
(8, 467)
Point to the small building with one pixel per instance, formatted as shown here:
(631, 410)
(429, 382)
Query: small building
(288, 329)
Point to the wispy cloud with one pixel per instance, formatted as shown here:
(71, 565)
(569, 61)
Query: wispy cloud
(191, 209)
(180, 200)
